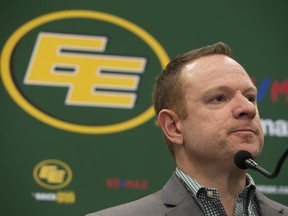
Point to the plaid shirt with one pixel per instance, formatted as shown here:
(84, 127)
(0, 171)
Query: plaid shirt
(209, 199)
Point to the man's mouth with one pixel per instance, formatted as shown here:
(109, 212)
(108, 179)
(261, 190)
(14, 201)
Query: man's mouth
(244, 130)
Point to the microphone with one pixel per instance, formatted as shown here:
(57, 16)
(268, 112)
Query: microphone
(243, 160)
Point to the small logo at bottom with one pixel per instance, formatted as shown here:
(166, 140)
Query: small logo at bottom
(52, 174)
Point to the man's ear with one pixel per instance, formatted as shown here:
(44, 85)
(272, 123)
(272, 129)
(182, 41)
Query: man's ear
(171, 125)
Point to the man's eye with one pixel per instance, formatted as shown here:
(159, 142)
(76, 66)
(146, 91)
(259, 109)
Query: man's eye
(219, 98)
(251, 98)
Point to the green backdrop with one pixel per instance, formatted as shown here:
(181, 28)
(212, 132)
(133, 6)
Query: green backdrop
(65, 153)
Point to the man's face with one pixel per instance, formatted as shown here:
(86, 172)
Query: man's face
(222, 111)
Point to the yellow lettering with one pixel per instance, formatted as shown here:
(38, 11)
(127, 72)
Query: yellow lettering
(52, 174)
(66, 197)
(92, 79)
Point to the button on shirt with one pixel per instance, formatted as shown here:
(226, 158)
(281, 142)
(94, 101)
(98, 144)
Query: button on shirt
(209, 200)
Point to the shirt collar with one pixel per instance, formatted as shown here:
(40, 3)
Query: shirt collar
(193, 186)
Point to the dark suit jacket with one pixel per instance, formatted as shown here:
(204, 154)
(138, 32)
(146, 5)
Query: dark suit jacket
(175, 200)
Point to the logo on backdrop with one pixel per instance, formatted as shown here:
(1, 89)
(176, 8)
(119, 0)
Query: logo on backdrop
(134, 184)
(274, 91)
(96, 78)
(278, 89)
(53, 175)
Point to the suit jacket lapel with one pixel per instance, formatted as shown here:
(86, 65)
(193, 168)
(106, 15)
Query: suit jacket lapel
(269, 207)
(187, 207)
(178, 200)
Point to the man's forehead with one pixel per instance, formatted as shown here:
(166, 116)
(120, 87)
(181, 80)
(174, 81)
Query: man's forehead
(215, 70)
(211, 61)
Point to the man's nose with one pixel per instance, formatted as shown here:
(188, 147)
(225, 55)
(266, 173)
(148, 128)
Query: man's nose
(244, 108)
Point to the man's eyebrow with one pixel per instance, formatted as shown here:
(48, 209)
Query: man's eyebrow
(226, 88)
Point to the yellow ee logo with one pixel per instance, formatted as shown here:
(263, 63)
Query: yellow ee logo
(52, 174)
(63, 60)
(79, 63)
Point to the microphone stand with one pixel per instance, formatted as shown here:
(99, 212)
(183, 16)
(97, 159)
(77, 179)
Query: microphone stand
(253, 165)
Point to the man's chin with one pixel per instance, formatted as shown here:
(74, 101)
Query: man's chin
(255, 152)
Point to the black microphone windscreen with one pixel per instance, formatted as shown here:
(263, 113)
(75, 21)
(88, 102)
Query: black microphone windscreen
(240, 157)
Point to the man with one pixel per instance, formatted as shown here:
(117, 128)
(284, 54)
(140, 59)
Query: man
(206, 107)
